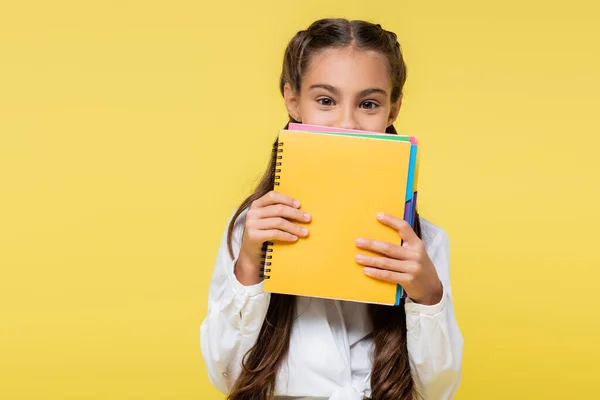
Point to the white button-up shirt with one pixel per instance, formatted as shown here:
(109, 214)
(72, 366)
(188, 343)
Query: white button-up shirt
(330, 350)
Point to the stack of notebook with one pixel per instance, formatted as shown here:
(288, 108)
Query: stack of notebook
(343, 178)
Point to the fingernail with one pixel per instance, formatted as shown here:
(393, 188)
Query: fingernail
(296, 203)
(380, 215)
(360, 241)
(304, 231)
(307, 216)
(360, 257)
(368, 271)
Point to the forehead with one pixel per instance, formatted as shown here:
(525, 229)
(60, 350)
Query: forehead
(348, 69)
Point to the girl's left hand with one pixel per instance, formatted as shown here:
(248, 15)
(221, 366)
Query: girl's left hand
(407, 264)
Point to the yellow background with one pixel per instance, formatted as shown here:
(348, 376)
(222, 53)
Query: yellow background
(130, 130)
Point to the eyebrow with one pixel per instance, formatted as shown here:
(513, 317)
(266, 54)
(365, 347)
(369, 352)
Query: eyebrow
(334, 90)
(369, 91)
(326, 87)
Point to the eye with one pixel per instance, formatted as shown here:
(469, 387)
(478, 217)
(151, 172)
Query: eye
(325, 101)
(369, 105)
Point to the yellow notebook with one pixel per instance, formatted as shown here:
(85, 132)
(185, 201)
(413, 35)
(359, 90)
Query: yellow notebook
(343, 182)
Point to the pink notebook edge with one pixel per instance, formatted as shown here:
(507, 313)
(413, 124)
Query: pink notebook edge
(294, 126)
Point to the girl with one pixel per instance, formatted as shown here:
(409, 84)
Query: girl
(257, 345)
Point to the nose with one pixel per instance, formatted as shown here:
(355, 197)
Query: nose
(347, 119)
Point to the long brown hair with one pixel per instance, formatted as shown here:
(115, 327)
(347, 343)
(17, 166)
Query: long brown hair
(390, 375)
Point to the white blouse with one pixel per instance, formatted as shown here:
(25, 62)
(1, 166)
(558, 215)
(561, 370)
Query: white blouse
(330, 351)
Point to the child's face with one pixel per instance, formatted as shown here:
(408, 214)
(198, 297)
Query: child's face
(345, 88)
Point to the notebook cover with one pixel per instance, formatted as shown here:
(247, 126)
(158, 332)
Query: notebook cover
(410, 205)
(342, 181)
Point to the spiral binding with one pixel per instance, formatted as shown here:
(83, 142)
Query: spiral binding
(276, 150)
(265, 260)
(266, 247)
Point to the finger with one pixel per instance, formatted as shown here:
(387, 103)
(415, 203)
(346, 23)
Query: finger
(282, 210)
(273, 235)
(388, 249)
(280, 224)
(274, 197)
(401, 226)
(385, 263)
(389, 276)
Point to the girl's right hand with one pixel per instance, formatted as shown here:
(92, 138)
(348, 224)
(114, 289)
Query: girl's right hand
(268, 219)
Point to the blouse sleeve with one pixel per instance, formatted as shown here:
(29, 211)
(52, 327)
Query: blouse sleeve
(235, 316)
(435, 344)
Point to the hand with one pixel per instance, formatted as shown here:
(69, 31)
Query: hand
(407, 264)
(268, 219)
